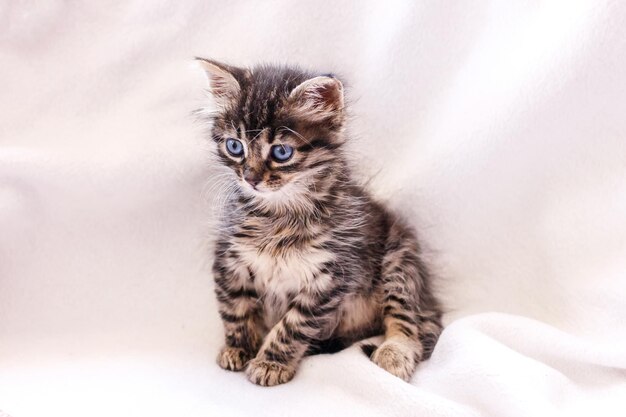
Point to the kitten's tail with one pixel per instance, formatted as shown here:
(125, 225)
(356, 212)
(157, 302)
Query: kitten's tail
(428, 339)
(368, 349)
(327, 346)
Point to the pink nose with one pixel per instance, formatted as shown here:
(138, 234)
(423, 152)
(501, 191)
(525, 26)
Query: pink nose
(252, 179)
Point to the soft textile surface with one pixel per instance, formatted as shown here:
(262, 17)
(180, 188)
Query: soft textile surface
(498, 128)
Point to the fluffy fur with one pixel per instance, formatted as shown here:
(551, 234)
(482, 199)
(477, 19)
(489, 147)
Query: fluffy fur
(306, 260)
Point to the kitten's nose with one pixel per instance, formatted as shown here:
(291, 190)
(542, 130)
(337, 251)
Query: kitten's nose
(252, 178)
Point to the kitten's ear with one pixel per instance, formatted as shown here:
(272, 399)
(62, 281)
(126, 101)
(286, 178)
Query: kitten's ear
(318, 99)
(224, 81)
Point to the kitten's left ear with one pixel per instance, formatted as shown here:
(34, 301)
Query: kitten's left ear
(318, 99)
(225, 81)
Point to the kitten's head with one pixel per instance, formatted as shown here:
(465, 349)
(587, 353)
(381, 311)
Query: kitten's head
(278, 128)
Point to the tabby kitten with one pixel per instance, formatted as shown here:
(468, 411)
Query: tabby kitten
(305, 260)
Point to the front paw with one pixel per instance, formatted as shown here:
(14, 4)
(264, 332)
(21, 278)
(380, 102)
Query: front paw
(267, 373)
(232, 358)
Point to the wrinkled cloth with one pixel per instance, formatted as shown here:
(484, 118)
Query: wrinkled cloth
(497, 128)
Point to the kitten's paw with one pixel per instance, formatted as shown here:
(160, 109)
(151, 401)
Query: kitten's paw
(232, 358)
(397, 358)
(267, 373)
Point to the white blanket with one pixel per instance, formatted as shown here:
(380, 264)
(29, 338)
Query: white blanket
(498, 128)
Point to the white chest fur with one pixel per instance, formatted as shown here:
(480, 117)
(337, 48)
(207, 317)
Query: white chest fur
(277, 279)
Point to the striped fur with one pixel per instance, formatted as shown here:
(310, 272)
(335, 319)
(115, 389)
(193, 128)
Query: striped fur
(306, 260)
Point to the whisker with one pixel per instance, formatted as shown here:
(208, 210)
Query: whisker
(295, 133)
(256, 136)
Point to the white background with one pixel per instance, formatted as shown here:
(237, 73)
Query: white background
(497, 128)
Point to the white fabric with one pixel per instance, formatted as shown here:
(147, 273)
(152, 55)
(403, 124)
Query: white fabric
(498, 128)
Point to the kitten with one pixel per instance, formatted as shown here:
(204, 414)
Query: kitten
(305, 260)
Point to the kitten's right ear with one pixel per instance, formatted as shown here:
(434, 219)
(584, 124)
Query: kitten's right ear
(225, 81)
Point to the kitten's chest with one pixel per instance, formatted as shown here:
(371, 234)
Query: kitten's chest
(279, 271)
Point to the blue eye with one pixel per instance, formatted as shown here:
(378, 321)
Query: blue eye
(234, 147)
(282, 153)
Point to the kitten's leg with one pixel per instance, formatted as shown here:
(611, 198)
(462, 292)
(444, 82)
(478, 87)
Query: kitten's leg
(239, 311)
(407, 317)
(430, 329)
(311, 317)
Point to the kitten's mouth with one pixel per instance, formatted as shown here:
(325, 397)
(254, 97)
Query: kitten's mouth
(254, 187)
(271, 190)
(261, 189)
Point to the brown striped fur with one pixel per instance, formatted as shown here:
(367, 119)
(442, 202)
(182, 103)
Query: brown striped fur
(306, 260)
